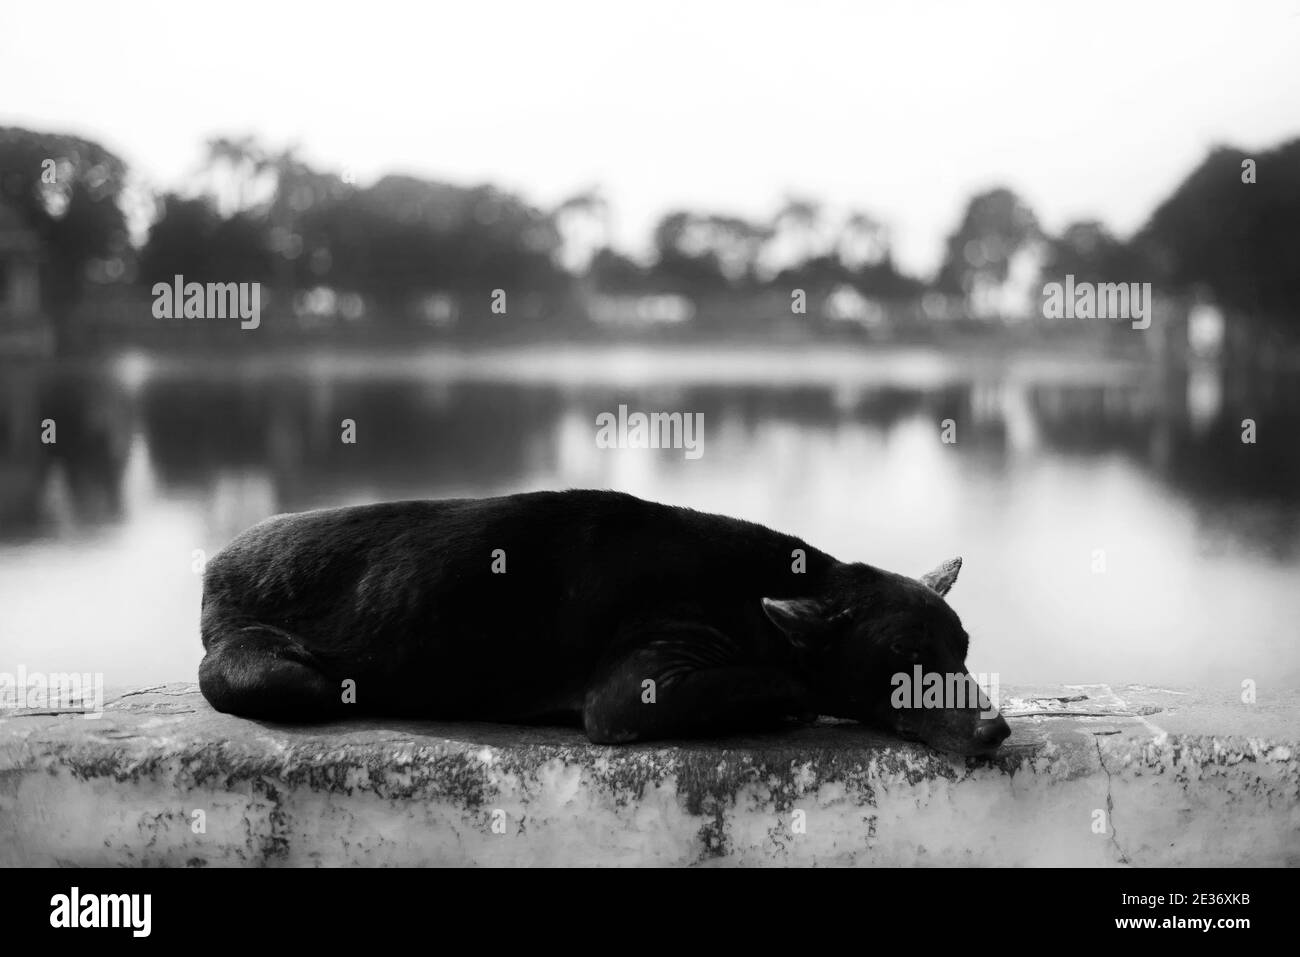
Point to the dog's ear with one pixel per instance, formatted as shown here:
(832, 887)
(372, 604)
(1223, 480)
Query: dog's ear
(802, 620)
(942, 578)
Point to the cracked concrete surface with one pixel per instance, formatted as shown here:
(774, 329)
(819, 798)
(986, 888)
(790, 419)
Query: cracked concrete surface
(1193, 777)
(1109, 821)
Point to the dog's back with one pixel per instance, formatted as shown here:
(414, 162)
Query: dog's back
(490, 608)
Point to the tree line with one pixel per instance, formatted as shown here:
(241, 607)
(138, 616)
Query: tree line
(263, 215)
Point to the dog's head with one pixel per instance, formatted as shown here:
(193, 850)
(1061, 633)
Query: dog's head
(888, 651)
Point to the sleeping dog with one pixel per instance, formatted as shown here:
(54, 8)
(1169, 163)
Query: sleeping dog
(642, 621)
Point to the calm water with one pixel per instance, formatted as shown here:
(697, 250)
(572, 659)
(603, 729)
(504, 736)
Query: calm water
(1114, 527)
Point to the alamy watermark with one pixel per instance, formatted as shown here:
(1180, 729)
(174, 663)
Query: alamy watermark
(945, 691)
(1107, 300)
(130, 911)
(60, 691)
(214, 300)
(651, 430)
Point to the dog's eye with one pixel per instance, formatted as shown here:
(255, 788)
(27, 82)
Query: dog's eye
(900, 649)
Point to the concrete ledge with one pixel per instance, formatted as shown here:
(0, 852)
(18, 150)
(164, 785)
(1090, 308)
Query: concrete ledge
(1150, 769)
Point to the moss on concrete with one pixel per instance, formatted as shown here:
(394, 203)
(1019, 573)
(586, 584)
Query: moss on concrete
(1175, 776)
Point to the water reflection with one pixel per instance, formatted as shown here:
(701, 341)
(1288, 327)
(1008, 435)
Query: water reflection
(1199, 533)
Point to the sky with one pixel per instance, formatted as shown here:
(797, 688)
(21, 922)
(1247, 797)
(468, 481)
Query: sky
(902, 110)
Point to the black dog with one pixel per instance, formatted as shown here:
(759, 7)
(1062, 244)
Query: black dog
(644, 620)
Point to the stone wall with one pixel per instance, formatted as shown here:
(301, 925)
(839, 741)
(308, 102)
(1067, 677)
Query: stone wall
(1091, 775)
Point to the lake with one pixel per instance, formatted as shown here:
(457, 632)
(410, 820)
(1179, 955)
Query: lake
(1114, 525)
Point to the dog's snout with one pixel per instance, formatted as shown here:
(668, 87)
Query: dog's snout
(992, 732)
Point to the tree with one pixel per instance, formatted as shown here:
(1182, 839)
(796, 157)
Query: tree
(404, 237)
(276, 190)
(700, 253)
(997, 228)
(1240, 240)
(863, 241)
(398, 240)
(611, 271)
(797, 226)
(68, 190)
(238, 171)
(1088, 251)
(190, 238)
(582, 222)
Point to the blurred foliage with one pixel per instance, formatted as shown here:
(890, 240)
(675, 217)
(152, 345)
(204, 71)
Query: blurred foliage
(1088, 251)
(996, 225)
(703, 252)
(78, 217)
(264, 215)
(406, 233)
(191, 238)
(1239, 240)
